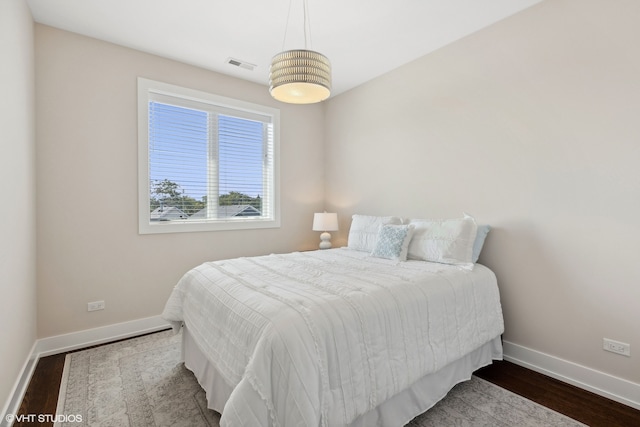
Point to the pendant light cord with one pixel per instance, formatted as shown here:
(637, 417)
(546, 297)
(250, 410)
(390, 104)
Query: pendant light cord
(286, 25)
(306, 24)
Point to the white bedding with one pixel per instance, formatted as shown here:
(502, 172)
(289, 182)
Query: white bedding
(319, 338)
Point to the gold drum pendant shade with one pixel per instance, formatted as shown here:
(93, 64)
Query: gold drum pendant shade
(300, 76)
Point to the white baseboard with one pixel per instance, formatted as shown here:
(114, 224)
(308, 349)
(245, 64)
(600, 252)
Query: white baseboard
(20, 387)
(73, 341)
(597, 382)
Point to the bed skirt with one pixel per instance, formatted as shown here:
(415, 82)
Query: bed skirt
(396, 411)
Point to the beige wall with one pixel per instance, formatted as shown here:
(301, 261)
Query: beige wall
(88, 243)
(533, 126)
(17, 187)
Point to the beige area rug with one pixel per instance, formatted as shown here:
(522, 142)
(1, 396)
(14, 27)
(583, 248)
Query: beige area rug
(140, 382)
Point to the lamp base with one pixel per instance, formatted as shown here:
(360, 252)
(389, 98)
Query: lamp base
(325, 240)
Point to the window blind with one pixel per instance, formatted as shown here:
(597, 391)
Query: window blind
(207, 162)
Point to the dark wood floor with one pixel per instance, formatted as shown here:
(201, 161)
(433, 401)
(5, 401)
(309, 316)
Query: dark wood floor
(42, 394)
(579, 404)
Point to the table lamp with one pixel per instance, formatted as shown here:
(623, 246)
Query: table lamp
(325, 222)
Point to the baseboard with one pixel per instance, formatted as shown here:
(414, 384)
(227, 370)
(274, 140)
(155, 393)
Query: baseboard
(19, 388)
(597, 382)
(73, 341)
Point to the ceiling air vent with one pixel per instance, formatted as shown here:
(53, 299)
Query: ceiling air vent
(241, 64)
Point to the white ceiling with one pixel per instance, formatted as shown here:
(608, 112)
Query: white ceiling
(362, 38)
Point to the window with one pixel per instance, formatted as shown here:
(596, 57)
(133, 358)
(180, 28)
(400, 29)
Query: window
(205, 162)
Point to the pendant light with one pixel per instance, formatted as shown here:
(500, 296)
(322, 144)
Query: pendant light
(300, 76)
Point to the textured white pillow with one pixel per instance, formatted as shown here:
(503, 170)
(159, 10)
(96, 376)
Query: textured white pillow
(363, 232)
(393, 242)
(448, 241)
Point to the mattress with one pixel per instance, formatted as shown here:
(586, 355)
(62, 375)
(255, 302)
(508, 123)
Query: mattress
(323, 338)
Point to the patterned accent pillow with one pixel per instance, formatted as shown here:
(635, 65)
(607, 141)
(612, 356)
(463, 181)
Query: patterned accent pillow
(393, 242)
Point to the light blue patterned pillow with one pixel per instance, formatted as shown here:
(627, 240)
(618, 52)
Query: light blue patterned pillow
(393, 242)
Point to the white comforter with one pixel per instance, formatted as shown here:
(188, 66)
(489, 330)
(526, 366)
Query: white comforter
(319, 338)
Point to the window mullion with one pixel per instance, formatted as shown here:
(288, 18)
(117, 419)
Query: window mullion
(267, 169)
(213, 182)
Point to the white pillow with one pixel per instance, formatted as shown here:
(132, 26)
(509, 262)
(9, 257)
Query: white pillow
(364, 231)
(448, 241)
(393, 242)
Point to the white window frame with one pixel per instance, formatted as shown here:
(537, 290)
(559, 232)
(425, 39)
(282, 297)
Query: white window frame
(149, 88)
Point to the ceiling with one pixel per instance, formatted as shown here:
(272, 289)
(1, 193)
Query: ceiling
(362, 38)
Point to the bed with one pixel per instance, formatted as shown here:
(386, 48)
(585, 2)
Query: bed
(338, 337)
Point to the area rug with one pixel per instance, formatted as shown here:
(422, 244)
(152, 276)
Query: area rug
(141, 383)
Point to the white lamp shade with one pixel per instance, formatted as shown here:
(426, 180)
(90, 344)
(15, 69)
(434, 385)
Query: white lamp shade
(325, 221)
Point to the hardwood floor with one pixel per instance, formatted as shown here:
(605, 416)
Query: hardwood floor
(579, 404)
(42, 394)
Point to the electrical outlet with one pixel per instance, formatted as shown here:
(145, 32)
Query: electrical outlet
(616, 347)
(95, 305)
